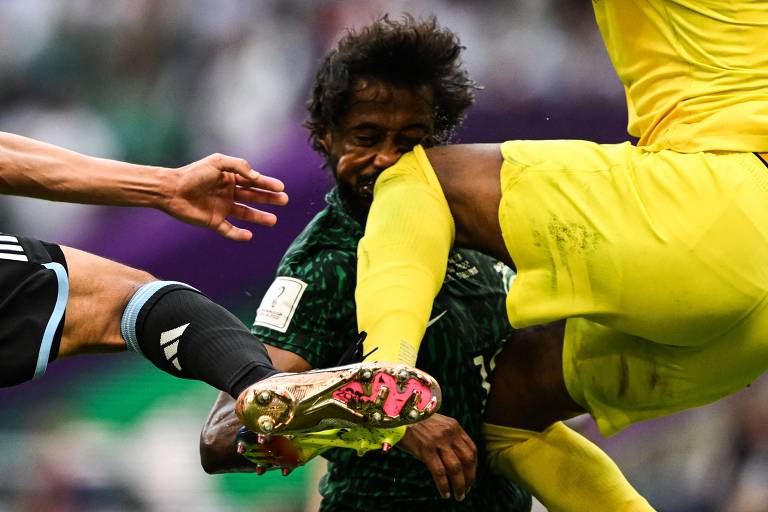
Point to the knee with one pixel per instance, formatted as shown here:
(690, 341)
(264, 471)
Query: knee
(131, 279)
(99, 278)
(99, 291)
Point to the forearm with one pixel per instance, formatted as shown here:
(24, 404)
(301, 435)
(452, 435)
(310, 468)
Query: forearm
(217, 440)
(218, 453)
(36, 169)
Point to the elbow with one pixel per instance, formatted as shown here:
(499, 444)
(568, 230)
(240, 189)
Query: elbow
(208, 456)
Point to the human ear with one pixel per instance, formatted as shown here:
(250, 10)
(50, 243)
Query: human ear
(326, 141)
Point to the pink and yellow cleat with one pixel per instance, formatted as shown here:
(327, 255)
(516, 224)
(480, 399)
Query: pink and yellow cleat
(286, 453)
(375, 395)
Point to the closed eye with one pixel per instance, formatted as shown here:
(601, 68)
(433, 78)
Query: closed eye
(365, 140)
(408, 143)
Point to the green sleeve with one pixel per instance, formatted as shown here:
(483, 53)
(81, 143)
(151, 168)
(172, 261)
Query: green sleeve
(318, 321)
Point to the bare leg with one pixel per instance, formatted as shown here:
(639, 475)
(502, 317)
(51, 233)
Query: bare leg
(473, 196)
(526, 442)
(528, 390)
(99, 290)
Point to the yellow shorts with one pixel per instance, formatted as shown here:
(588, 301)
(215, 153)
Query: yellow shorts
(659, 259)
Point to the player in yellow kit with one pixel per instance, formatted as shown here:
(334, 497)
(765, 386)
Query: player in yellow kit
(655, 254)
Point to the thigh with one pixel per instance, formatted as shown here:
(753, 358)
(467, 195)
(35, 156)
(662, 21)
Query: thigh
(33, 299)
(99, 291)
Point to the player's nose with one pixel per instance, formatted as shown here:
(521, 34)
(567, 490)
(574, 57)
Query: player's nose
(386, 155)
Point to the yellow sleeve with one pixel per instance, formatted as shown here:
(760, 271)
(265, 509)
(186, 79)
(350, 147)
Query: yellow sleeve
(402, 258)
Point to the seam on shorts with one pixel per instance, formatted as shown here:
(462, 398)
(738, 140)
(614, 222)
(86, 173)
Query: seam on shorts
(757, 170)
(761, 159)
(53, 321)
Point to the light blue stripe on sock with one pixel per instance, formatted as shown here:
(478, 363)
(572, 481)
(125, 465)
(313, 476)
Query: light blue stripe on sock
(55, 319)
(131, 312)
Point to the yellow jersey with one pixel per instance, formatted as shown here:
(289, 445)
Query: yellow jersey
(695, 71)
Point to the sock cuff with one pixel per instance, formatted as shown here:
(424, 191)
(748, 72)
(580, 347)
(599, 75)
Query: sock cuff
(493, 433)
(131, 311)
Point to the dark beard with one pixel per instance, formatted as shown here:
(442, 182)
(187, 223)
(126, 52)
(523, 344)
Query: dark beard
(365, 187)
(357, 206)
(356, 199)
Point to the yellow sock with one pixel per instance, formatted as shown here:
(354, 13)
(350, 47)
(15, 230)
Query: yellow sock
(402, 259)
(564, 470)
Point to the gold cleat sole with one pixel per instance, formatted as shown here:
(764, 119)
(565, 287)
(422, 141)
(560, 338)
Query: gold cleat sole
(372, 395)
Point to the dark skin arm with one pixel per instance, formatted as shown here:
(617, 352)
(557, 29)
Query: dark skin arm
(217, 439)
(447, 451)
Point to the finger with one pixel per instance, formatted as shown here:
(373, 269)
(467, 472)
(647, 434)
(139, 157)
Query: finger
(236, 165)
(248, 214)
(439, 474)
(455, 472)
(226, 229)
(466, 451)
(260, 181)
(251, 195)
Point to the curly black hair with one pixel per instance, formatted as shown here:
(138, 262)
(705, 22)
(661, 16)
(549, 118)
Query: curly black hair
(406, 53)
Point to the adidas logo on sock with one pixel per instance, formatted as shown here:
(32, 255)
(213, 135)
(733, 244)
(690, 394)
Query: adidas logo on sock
(169, 341)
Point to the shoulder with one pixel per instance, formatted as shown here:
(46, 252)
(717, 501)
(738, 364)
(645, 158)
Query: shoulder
(331, 231)
(325, 242)
(321, 268)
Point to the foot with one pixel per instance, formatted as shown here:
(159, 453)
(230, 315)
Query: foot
(286, 453)
(372, 395)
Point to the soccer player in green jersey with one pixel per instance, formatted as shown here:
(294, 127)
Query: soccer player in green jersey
(402, 84)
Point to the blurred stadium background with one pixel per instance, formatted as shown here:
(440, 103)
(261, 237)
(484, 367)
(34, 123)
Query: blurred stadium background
(169, 81)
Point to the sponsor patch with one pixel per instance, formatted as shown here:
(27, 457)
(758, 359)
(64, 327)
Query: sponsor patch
(279, 303)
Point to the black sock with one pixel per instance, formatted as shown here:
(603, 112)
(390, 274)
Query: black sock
(184, 333)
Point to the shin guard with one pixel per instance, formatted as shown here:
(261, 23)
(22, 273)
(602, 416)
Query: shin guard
(184, 333)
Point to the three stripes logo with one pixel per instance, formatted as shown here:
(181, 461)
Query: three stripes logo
(169, 341)
(10, 249)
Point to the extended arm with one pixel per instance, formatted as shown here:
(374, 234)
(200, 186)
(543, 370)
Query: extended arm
(203, 193)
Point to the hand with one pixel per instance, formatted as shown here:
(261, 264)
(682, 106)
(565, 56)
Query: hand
(208, 191)
(448, 452)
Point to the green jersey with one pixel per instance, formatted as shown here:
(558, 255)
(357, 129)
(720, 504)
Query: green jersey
(310, 311)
